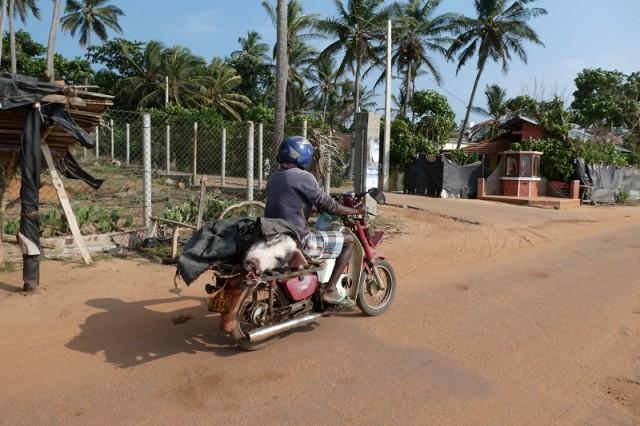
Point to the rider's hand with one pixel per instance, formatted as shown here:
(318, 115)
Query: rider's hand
(361, 209)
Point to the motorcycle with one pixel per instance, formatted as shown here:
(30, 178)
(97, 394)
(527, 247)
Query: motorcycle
(257, 308)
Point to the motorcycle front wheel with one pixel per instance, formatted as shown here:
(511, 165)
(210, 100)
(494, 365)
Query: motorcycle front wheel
(371, 299)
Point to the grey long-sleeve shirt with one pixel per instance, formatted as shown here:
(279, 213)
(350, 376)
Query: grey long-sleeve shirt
(291, 195)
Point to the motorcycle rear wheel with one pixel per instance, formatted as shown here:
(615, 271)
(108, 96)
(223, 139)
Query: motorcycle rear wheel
(244, 323)
(371, 300)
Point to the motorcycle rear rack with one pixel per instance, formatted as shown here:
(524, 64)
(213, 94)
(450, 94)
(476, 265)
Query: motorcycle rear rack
(286, 274)
(283, 274)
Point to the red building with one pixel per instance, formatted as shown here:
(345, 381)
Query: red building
(517, 129)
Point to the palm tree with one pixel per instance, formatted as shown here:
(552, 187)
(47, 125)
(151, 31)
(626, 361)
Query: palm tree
(358, 26)
(282, 68)
(301, 59)
(323, 74)
(91, 17)
(186, 78)
(419, 33)
(300, 27)
(21, 9)
(12, 38)
(51, 45)
(219, 89)
(496, 33)
(253, 46)
(3, 10)
(496, 110)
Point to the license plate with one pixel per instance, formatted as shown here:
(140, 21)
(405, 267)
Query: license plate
(220, 302)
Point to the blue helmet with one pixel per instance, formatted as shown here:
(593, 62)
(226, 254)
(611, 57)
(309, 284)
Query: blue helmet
(297, 150)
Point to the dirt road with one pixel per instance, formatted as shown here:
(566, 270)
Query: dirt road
(500, 319)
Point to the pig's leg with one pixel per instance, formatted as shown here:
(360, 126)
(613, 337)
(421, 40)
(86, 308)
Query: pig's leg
(229, 320)
(296, 260)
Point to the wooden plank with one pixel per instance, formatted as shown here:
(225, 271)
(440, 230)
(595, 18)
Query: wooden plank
(172, 222)
(66, 205)
(202, 202)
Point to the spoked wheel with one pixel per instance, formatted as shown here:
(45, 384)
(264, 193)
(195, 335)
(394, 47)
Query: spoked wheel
(254, 313)
(371, 299)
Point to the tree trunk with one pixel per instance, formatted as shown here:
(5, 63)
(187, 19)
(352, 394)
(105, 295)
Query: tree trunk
(3, 12)
(407, 95)
(12, 38)
(357, 83)
(324, 106)
(282, 70)
(51, 47)
(473, 95)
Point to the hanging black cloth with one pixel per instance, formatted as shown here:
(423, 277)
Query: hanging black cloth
(70, 169)
(30, 166)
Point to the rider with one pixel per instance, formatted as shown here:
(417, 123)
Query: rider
(292, 192)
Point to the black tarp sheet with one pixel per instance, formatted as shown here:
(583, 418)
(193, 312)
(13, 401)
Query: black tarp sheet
(607, 180)
(441, 177)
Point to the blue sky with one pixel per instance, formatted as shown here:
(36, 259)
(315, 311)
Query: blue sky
(577, 34)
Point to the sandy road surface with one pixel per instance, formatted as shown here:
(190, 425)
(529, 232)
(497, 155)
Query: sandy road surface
(526, 320)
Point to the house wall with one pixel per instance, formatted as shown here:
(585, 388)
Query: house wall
(530, 131)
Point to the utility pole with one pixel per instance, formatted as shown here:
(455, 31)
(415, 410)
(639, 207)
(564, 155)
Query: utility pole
(386, 149)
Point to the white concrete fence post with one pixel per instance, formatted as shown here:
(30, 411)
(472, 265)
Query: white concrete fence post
(146, 161)
(223, 166)
(112, 139)
(195, 153)
(260, 154)
(97, 142)
(167, 142)
(127, 131)
(250, 142)
(304, 128)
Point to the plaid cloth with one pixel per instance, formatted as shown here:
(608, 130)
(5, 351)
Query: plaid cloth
(323, 244)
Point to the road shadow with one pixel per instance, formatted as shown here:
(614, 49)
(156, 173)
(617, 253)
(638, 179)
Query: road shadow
(130, 333)
(9, 288)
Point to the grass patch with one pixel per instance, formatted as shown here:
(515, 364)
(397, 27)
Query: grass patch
(7, 267)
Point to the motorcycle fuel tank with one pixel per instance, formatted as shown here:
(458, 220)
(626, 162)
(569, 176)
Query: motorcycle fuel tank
(302, 287)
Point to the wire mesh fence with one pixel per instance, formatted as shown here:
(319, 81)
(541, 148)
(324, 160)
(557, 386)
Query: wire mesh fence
(234, 158)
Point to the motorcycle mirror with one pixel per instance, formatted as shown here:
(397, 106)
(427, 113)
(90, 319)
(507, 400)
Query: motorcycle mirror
(377, 195)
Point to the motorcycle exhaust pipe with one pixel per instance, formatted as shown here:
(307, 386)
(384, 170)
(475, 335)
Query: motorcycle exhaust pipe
(264, 333)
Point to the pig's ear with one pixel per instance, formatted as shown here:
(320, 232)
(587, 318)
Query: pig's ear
(252, 265)
(297, 260)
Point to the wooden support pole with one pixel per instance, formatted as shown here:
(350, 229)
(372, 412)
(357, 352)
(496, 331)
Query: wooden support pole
(66, 205)
(203, 201)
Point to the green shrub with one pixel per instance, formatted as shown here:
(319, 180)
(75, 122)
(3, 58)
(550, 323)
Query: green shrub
(11, 227)
(558, 155)
(462, 158)
(187, 212)
(91, 219)
(622, 196)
